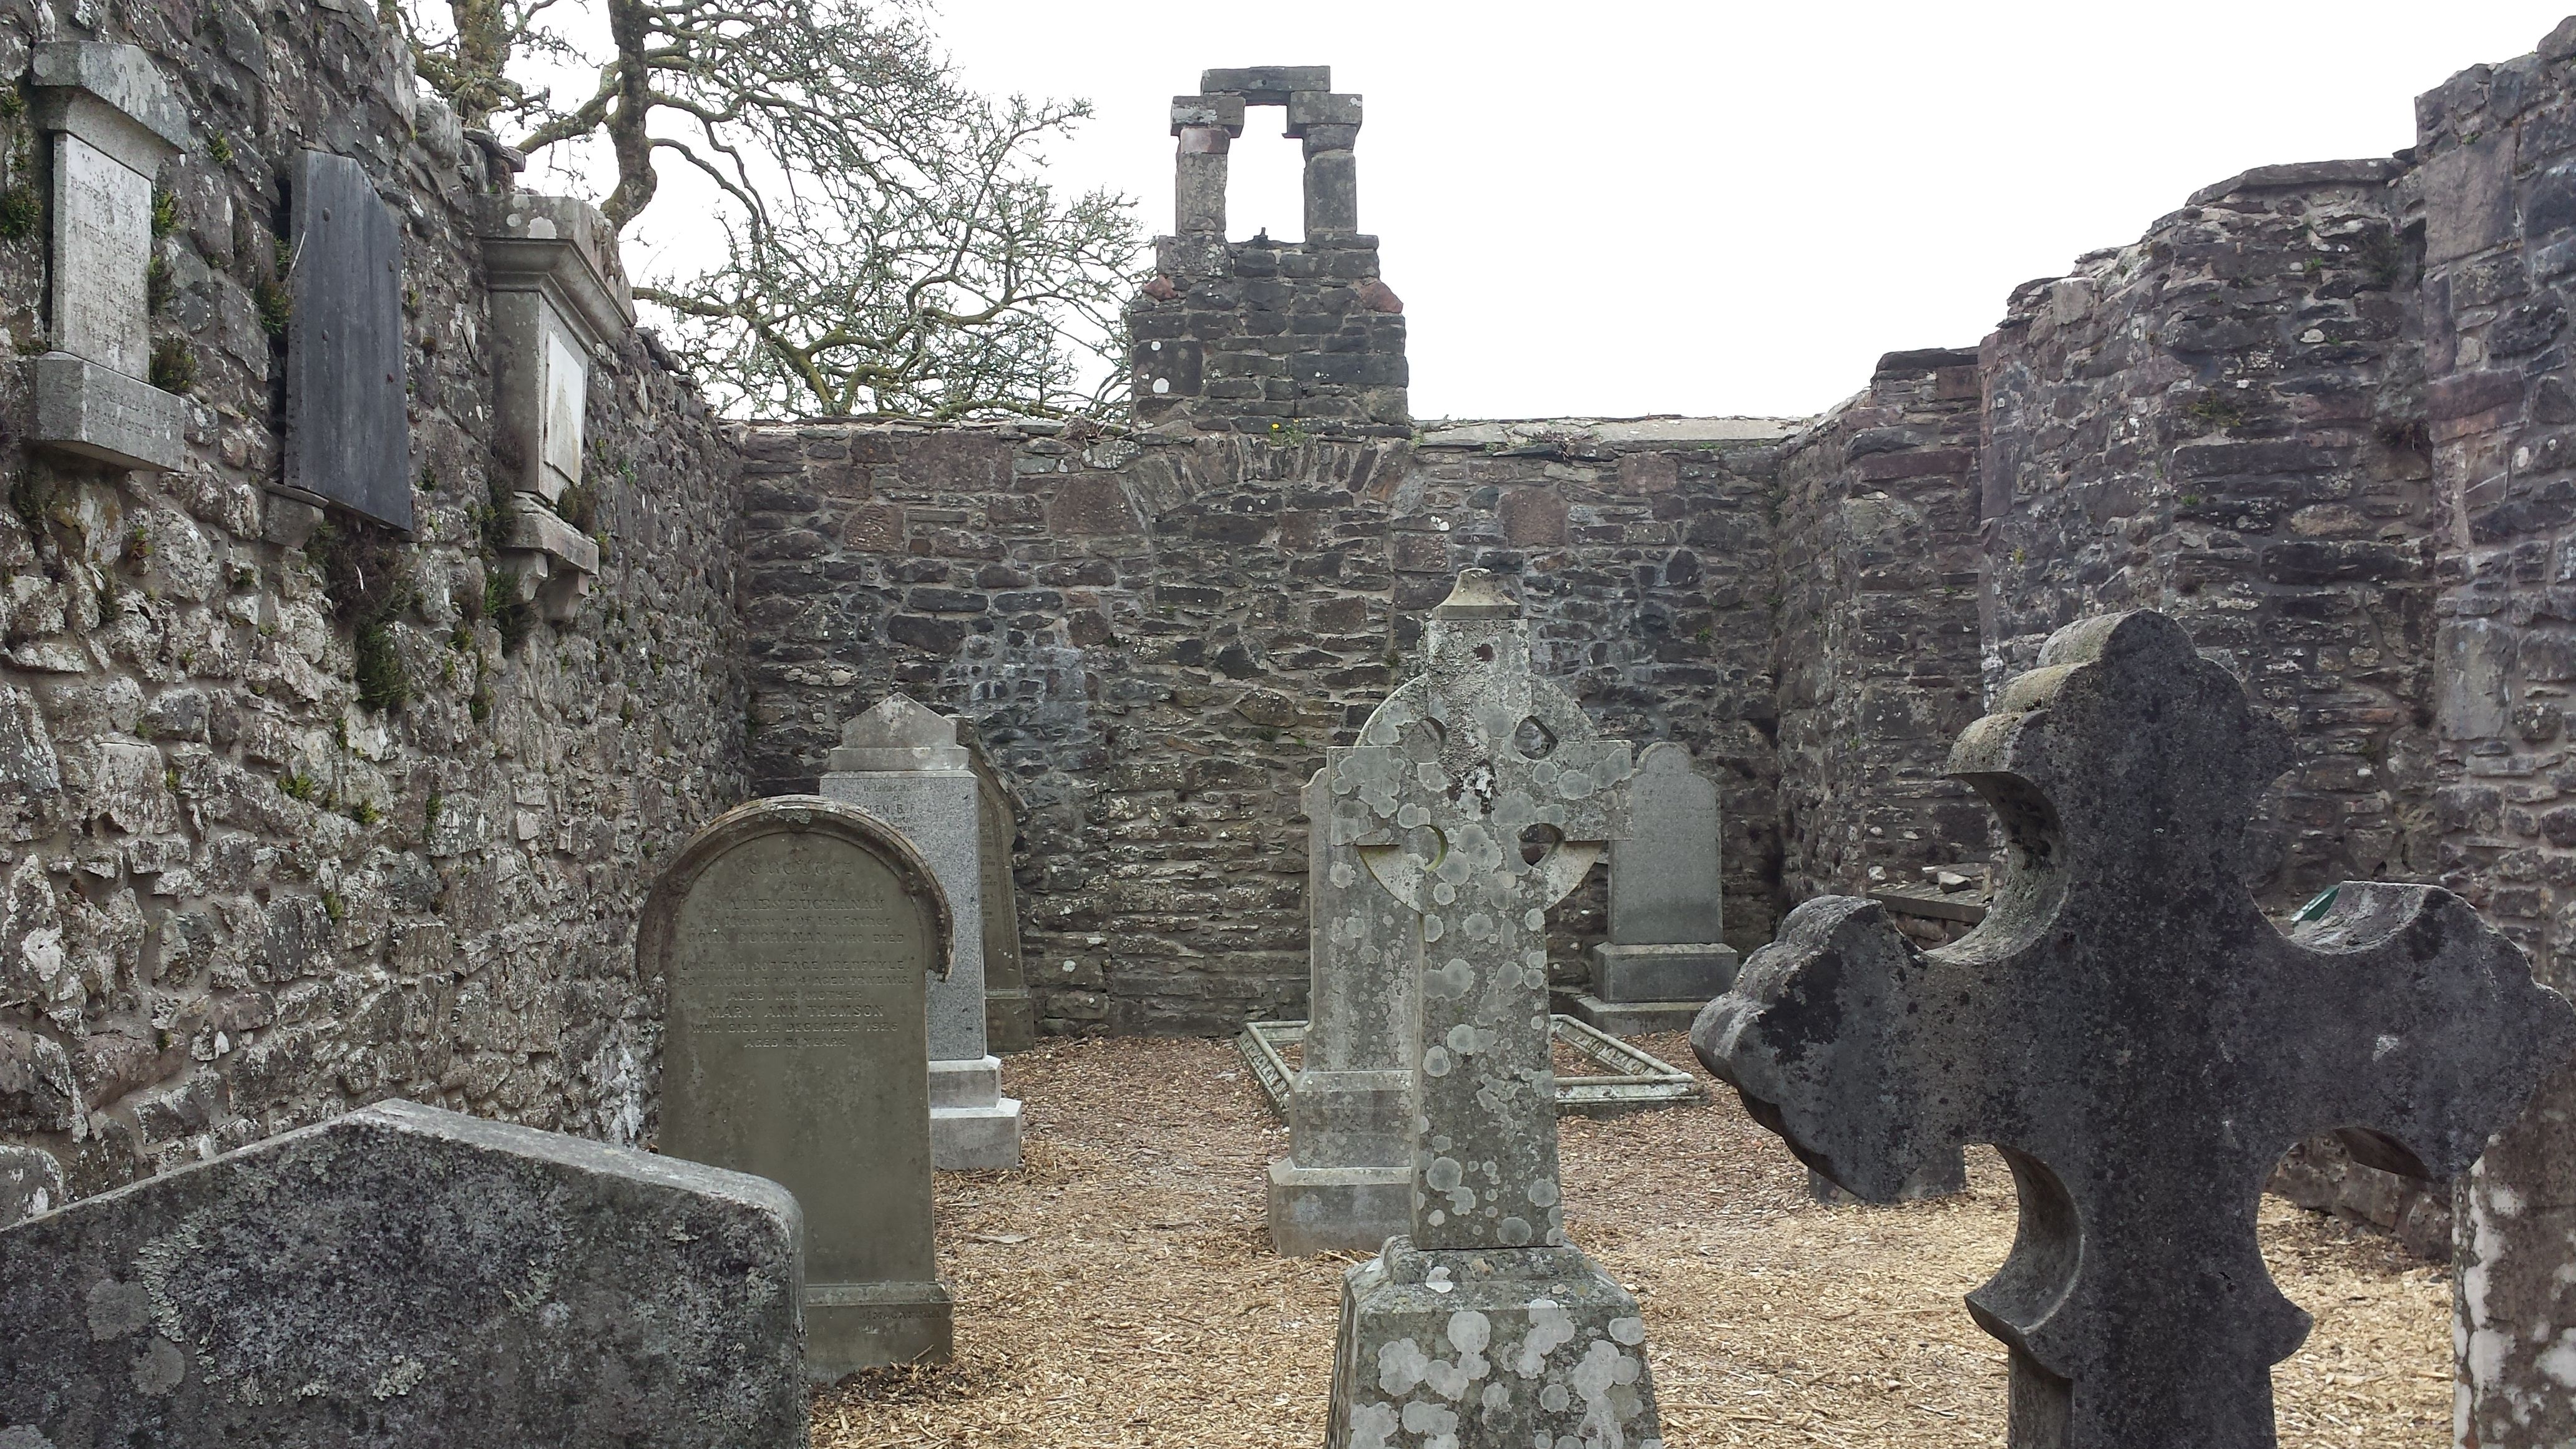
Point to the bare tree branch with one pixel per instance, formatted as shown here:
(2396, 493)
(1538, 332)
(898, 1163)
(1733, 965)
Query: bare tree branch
(890, 245)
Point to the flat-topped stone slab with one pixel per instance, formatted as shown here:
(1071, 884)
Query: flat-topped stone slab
(406, 1276)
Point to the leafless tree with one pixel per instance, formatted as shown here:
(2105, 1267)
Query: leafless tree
(890, 245)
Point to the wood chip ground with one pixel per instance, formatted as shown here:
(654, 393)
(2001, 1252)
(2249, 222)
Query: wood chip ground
(1120, 1290)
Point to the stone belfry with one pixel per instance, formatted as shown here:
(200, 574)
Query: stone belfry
(1265, 337)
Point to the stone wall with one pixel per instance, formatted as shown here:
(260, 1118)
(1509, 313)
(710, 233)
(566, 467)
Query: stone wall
(1876, 642)
(2223, 421)
(237, 899)
(1157, 639)
(2493, 200)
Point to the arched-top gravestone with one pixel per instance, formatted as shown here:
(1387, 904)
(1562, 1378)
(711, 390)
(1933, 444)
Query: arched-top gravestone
(2136, 1039)
(795, 937)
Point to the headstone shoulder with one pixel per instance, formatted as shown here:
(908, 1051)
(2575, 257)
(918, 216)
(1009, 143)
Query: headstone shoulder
(800, 813)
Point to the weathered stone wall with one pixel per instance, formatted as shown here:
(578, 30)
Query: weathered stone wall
(2493, 200)
(236, 899)
(1157, 639)
(1284, 340)
(1877, 643)
(2222, 421)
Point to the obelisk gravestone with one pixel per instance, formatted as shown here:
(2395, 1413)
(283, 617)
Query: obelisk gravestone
(1665, 958)
(795, 937)
(902, 764)
(1479, 795)
(2136, 1039)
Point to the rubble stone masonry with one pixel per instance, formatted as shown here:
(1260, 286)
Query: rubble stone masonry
(233, 898)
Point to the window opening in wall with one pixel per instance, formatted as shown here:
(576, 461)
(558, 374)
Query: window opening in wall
(1265, 183)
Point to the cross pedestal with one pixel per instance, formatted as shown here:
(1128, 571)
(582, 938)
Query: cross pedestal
(2138, 1042)
(1478, 796)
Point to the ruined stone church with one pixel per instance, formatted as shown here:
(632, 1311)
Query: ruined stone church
(381, 609)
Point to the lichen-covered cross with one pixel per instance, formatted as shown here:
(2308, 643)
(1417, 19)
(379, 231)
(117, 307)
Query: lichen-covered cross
(2136, 1039)
(1456, 773)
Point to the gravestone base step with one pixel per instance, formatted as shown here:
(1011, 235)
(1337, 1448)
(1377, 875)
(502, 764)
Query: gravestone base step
(1632, 1018)
(854, 1326)
(1316, 1210)
(1700, 971)
(99, 413)
(976, 1139)
(1499, 1347)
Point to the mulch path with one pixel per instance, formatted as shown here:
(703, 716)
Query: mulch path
(1120, 1291)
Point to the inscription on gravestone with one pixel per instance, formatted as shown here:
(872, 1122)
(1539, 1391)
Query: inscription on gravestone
(103, 241)
(796, 937)
(348, 432)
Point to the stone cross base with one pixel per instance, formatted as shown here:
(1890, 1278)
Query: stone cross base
(1315, 1210)
(1638, 989)
(1505, 1347)
(1346, 1185)
(854, 1326)
(972, 1125)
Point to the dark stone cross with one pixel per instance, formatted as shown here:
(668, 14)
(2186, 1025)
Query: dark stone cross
(2138, 1041)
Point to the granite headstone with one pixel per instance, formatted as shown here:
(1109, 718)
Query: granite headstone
(408, 1276)
(2134, 1037)
(1346, 1184)
(794, 936)
(901, 763)
(1666, 956)
(348, 424)
(1480, 795)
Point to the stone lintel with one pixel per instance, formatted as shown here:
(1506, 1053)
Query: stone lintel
(1322, 108)
(1266, 85)
(1222, 112)
(562, 247)
(111, 96)
(99, 413)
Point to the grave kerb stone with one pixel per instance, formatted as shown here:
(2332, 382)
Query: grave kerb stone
(793, 936)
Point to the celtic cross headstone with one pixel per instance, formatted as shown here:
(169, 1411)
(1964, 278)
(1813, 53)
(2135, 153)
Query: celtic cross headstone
(2136, 1039)
(1479, 795)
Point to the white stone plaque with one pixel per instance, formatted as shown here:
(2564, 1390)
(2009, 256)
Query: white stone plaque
(102, 244)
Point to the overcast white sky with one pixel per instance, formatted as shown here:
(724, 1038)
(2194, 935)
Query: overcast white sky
(1622, 208)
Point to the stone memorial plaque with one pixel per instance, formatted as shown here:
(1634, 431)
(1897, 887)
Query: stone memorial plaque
(102, 244)
(567, 389)
(348, 433)
(796, 937)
